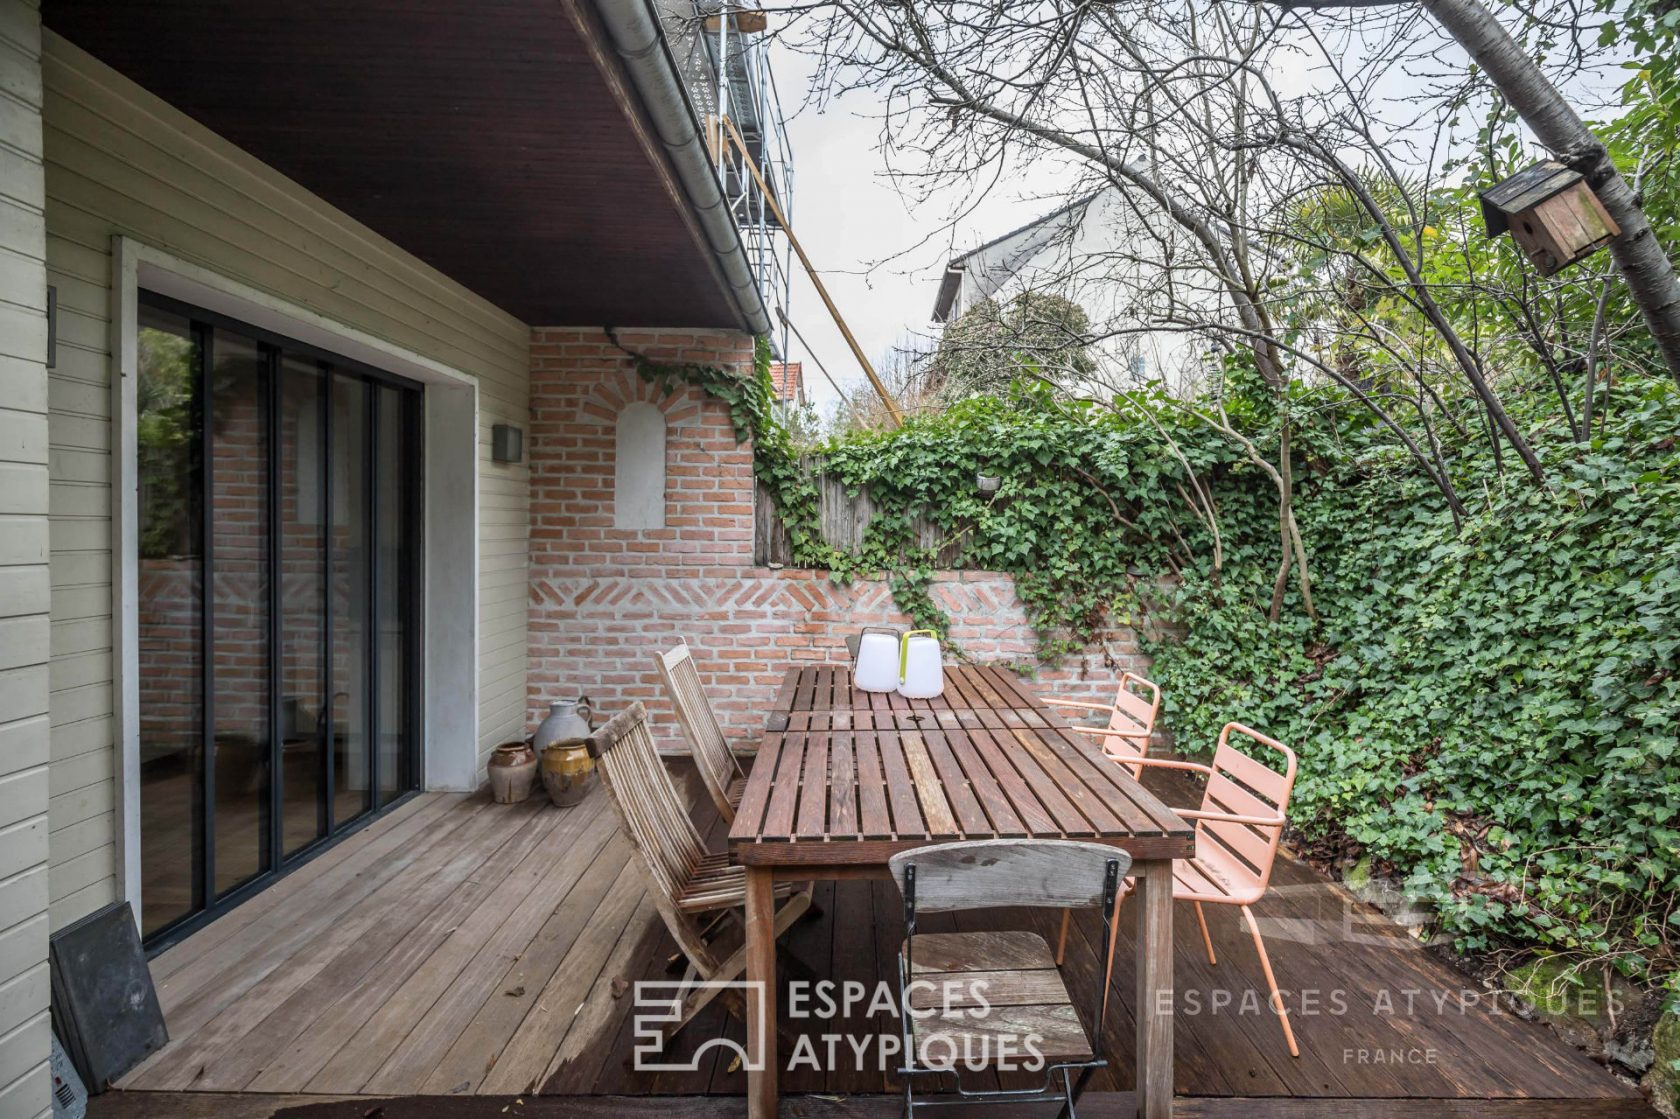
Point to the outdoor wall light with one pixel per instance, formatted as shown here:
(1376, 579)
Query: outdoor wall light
(507, 443)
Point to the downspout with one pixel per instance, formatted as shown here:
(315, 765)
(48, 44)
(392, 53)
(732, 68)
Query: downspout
(636, 34)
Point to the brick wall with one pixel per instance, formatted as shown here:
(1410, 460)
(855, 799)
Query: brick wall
(604, 599)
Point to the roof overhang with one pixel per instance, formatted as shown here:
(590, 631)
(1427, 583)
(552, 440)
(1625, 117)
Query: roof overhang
(503, 142)
(949, 285)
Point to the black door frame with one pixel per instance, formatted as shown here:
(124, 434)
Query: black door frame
(208, 905)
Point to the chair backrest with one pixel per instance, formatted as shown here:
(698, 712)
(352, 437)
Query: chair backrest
(649, 806)
(706, 741)
(1242, 785)
(987, 873)
(1134, 713)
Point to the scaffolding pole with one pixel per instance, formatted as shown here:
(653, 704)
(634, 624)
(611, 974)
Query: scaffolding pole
(810, 270)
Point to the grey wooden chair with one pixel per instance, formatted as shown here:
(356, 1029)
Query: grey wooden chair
(946, 1011)
(719, 770)
(685, 880)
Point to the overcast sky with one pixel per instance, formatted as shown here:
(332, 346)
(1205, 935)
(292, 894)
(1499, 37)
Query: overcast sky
(850, 218)
(882, 255)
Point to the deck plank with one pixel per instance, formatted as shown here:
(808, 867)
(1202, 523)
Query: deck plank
(351, 1068)
(345, 859)
(525, 1061)
(216, 976)
(282, 1008)
(260, 972)
(342, 1024)
(550, 874)
(1094, 1105)
(414, 999)
(504, 1002)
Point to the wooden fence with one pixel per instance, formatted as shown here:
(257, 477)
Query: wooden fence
(845, 519)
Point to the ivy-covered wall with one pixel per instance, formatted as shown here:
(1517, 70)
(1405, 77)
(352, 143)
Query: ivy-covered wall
(1486, 708)
(604, 599)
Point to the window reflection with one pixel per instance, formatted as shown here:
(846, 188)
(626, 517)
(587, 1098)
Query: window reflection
(277, 563)
(239, 566)
(170, 629)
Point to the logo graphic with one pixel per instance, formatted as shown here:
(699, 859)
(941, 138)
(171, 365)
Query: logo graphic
(659, 1003)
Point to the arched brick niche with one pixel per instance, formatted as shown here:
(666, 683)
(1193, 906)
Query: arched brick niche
(639, 467)
(583, 388)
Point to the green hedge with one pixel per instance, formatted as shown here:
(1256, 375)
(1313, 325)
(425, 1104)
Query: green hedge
(1494, 714)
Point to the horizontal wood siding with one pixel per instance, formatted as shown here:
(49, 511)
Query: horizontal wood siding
(24, 645)
(120, 161)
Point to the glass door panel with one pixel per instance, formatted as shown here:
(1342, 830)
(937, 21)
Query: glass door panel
(239, 607)
(351, 605)
(303, 601)
(171, 629)
(395, 481)
(278, 562)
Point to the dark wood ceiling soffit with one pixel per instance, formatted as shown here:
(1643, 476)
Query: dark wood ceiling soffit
(496, 140)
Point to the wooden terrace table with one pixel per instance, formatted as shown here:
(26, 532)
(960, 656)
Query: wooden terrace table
(844, 779)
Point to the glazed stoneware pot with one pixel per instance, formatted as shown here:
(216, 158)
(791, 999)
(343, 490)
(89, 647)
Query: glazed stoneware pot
(566, 772)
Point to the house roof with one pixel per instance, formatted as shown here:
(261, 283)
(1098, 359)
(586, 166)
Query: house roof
(788, 379)
(958, 267)
(500, 141)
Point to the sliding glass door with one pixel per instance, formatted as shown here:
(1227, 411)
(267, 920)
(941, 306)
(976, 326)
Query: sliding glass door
(278, 584)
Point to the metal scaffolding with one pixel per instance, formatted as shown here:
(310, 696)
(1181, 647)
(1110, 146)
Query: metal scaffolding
(722, 53)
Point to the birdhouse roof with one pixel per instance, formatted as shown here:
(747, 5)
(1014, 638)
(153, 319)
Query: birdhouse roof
(1524, 191)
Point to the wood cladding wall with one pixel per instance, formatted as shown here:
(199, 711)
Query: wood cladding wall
(121, 161)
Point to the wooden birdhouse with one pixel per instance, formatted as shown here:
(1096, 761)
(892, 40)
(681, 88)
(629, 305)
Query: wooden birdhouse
(1552, 213)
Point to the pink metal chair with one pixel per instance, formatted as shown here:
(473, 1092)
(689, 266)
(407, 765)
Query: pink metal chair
(1238, 827)
(1131, 722)
(1131, 719)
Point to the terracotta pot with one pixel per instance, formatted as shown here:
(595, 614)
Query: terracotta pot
(513, 772)
(567, 770)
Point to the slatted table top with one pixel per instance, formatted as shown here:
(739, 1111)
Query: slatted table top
(851, 777)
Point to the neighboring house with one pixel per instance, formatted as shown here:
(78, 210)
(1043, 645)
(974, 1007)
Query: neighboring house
(788, 377)
(282, 291)
(1085, 252)
(1039, 251)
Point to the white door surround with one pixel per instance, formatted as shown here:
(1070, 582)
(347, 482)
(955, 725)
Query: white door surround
(449, 648)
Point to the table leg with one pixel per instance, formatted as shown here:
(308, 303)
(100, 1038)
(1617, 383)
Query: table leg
(761, 994)
(1155, 990)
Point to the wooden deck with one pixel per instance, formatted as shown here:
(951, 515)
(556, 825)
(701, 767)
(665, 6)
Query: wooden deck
(459, 947)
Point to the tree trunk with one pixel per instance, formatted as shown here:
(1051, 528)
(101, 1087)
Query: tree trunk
(1289, 533)
(1645, 267)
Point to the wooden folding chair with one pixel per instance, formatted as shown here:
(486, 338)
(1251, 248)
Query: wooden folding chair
(719, 770)
(968, 995)
(1131, 719)
(684, 878)
(1244, 809)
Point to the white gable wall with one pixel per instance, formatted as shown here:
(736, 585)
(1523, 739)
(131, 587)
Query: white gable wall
(1078, 254)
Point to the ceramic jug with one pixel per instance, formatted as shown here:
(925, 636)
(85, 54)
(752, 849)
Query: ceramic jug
(567, 770)
(567, 721)
(513, 771)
